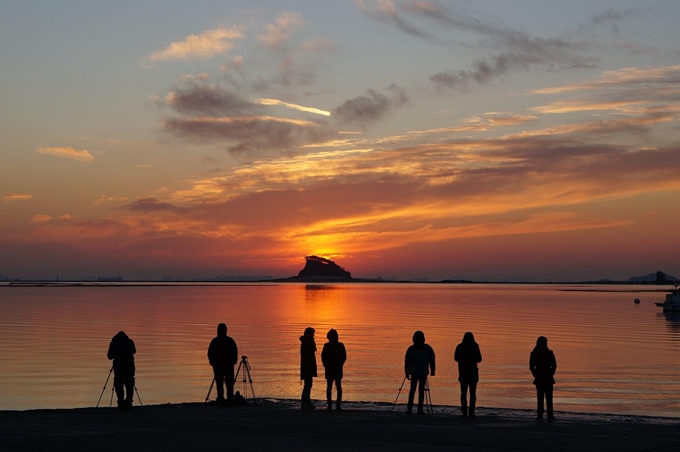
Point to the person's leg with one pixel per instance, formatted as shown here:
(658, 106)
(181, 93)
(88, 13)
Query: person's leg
(119, 386)
(549, 401)
(463, 398)
(421, 393)
(539, 401)
(329, 393)
(338, 387)
(307, 392)
(473, 398)
(129, 390)
(303, 396)
(411, 394)
(219, 384)
(229, 380)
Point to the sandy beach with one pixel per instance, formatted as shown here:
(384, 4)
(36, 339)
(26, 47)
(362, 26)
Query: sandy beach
(280, 425)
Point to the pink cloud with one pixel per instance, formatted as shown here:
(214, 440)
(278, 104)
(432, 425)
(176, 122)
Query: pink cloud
(40, 218)
(16, 197)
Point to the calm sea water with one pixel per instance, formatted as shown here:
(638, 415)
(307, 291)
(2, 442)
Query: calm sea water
(613, 356)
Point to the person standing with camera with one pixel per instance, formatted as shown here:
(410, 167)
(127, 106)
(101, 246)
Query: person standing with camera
(223, 356)
(418, 363)
(121, 351)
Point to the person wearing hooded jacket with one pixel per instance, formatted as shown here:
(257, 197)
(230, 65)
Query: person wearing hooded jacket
(333, 357)
(223, 355)
(307, 366)
(542, 364)
(419, 360)
(468, 355)
(121, 351)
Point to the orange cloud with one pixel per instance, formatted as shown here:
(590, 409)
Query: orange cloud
(316, 111)
(481, 123)
(328, 243)
(104, 198)
(16, 197)
(627, 77)
(584, 105)
(205, 45)
(280, 31)
(40, 218)
(67, 152)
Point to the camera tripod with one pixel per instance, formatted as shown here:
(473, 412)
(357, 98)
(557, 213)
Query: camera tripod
(112, 391)
(428, 396)
(245, 366)
(244, 370)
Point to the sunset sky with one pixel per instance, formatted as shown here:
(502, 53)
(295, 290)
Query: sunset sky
(490, 140)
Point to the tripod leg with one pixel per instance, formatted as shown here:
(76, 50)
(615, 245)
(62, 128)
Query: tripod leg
(398, 393)
(428, 397)
(250, 379)
(210, 390)
(140, 400)
(104, 388)
(238, 369)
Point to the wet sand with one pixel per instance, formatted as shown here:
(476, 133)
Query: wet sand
(280, 425)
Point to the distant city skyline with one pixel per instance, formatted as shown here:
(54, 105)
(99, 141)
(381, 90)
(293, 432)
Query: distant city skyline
(508, 141)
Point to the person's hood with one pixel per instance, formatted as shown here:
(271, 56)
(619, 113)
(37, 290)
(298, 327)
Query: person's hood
(541, 343)
(468, 338)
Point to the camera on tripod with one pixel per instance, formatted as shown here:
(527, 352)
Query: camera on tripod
(248, 394)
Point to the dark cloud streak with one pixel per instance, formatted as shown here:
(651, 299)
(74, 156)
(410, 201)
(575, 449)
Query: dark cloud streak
(612, 17)
(510, 50)
(152, 205)
(485, 70)
(372, 107)
(200, 97)
(252, 135)
(386, 13)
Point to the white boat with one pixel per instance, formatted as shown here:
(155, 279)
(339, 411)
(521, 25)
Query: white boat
(672, 302)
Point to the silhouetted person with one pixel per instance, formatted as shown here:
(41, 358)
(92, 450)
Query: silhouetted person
(333, 357)
(543, 364)
(419, 360)
(223, 355)
(468, 355)
(121, 351)
(307, 366)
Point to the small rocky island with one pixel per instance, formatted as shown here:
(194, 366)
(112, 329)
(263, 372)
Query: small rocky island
(318, 266)
(321, 269)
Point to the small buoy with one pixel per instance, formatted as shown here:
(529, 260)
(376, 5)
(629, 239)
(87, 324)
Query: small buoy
(637, 301)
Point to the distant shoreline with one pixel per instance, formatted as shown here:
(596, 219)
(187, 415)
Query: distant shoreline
(652, 286)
